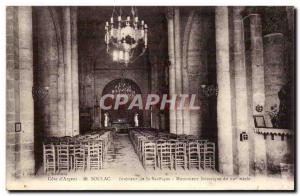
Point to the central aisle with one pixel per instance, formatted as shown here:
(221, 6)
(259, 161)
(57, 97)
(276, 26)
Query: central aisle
(122, 160)
(121, 156)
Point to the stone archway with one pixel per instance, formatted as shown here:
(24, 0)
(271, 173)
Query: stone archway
(122, 115)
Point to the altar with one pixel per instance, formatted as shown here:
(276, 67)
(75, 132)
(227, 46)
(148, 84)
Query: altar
(121, 123)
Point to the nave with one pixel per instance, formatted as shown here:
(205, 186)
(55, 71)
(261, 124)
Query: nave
(121, 159)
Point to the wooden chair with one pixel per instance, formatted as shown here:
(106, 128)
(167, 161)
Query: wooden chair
(172, 143)
(63, 159)
(149, 155)
(193, 155)
(164, 155)
(209, 155)
(95, 155)
(201, 146)
(49, 158)
(79, 157)
(180, 158)
(71, 145)
(140, 146)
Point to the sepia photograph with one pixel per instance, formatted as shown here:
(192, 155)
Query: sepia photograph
(156, 98)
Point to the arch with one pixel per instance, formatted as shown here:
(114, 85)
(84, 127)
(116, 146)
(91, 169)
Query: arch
(122, 114)
(55, 20)
(185, 71)
(186, 39)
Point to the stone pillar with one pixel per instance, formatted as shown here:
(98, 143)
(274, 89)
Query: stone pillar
(25, 88)
(155, 87)
(186, 91)
(172, 73)
(61, 101)
(46, 58)
(241, 90)
(186, 121)
(258, 82)
(75, 83)
(11, 62)
(68, 69)
(50, 73)
(154, 90)
(186, 111)
(224, 118)
(48, 77)
(20, 145)
(257, 63)
(178, 70)
(290, 53)
(276, 75)
(290, 45)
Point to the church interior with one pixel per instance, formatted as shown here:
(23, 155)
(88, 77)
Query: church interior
(238, 61)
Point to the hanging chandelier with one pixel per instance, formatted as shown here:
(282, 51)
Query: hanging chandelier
(124, 35)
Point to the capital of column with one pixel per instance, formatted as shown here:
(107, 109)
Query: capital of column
(237, 12)
(170, 13)
(253, 17)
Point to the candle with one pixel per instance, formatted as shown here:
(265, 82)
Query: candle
(146, 35)
(136, 19)
(142, 33)
(121, 55)
(111, 20)
(106, 24)
(126, 57)
(142, 22)
(115, 55)
(128, 18)
(119, 18)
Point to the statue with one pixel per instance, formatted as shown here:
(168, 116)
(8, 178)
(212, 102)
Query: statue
(136, 119)
(106, 119)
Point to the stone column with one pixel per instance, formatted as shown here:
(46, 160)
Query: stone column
(61, 101)
(75, 83)
(290, 45)
(178, 70)
(45, 57)
(257, 63)
(154, 90)
(258, 83)
(241, 90)
(68, 69)
(48, 77)
(224, 111)
(172, 79)
(276, 75)
(25, 79)
(11, 61)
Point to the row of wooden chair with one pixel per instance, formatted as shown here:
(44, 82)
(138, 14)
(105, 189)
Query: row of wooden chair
(186, 153)
(73, 153)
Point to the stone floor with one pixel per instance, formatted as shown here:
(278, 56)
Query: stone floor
(123, 170)
(121, 160)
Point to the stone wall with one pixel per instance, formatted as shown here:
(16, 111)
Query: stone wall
(55, 67)
(198, 56)
(278, 151)
(276, 71)
(46, 73)
(12, 143)
(20, 126)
